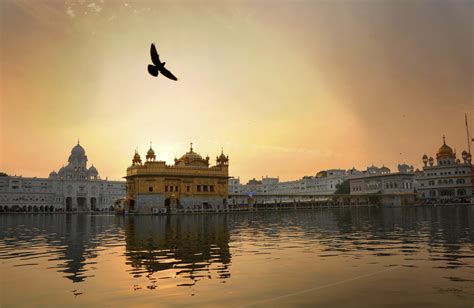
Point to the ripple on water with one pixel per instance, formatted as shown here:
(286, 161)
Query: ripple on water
(250, 250)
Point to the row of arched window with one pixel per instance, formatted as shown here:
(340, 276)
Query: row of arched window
(447, 181)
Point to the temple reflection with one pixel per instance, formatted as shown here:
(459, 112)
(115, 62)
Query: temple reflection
(72, 241)
(197, 247)
(193, 247)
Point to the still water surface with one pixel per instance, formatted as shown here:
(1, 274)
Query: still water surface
(350, 257)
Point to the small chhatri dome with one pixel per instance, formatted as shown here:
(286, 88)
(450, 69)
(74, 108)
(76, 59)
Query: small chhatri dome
(222, 159)
(150, 155)
(93, 171)
(136, 158)
(445, 151)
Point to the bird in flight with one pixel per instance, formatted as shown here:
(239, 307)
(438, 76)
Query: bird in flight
(158, 67)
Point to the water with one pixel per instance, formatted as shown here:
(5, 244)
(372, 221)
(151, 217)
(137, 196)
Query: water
(351, 257)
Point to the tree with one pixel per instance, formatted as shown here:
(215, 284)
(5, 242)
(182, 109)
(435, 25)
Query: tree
(343, 188)
(3, 174)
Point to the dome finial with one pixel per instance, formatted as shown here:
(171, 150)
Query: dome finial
(191, 147)
(222, 150)
(77, 140)
(444, 139)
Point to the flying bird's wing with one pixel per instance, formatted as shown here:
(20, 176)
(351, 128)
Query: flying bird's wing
(153, 70)
(167, 73)
(155, 58)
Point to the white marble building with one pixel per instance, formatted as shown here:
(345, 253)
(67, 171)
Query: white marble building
(323, 183)
(381, 186)
(447, 180)
(75, 187)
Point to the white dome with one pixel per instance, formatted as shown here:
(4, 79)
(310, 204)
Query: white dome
(93, 171)
(78, 150)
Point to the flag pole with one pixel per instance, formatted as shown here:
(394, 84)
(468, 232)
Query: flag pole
(468, 136)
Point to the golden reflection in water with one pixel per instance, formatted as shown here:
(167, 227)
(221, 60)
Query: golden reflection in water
(337, 257)
(178, 247)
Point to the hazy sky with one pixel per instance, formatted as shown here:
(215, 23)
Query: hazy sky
(286, 87)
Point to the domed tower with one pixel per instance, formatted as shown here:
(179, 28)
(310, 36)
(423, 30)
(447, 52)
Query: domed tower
(93, 173)
(150, 155)
(136, 159)
(425, 160)
(445, 155)
(77, 164)
(222, 160)
(466, 157)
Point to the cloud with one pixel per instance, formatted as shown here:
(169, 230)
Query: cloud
(70, 12)
(94, 7)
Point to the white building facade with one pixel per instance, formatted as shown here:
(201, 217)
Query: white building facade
(380, 186)
(323, 183)
(75, 187)
(448, 179)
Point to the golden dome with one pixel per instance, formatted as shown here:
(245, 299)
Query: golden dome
(445, 151)
(192, 158)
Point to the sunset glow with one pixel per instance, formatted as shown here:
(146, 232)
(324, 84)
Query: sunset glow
(286, 88)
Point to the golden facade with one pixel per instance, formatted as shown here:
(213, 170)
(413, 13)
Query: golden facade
(191, 183)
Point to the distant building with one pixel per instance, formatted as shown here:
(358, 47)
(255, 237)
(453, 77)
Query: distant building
(234, 185)
(323, 183)
(73, 187)
(447, 180)
(190, 183)
(385, 187)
